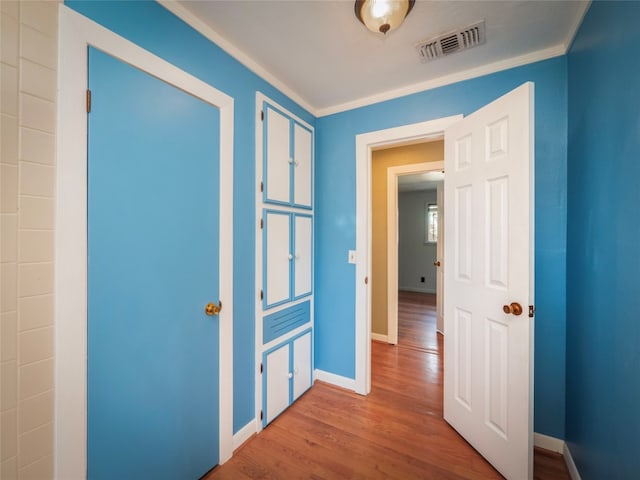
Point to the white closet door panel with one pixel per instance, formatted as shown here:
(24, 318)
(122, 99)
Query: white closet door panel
(301, 365)
(277, 371)
(303, 154)
(278, 161)
(277, 258)
(303, 258)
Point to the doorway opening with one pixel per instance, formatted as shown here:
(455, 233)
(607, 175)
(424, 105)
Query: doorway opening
(366, 144)
(407, 250)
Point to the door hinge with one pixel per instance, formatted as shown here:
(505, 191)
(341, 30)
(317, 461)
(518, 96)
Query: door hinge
(532, 310)
(261, 295)
(261, 367)
(261, 415)
(261, 223)
(262, 115)
(88, 100)
(261, 187)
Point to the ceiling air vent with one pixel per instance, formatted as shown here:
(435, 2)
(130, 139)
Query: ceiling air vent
(451, 42)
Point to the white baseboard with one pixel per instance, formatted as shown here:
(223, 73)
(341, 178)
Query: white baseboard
(559, 446)
(418, 290)
(244, 434)
(379, 337)
(333, 379)
(548, 443)
(571, 466)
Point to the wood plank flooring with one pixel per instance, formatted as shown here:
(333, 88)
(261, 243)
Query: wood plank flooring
(396, 432)
(417, 319)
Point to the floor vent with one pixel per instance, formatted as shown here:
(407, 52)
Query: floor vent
(451, 42)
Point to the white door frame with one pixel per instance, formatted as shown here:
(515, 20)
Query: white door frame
(365, 144)
(392, 237)
(76, 33)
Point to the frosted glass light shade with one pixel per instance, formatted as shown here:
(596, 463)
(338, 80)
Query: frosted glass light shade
(382, 16)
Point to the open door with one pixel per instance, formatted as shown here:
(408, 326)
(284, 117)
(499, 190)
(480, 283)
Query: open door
(488, 377)
(439, 260)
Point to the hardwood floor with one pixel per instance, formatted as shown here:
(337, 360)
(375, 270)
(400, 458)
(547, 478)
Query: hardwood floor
(417, 321)
(396, 432)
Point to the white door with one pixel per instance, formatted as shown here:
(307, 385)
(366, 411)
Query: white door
(488, 377)
(278, 159)
(303, 246)
(440, 260)
(302, 156)
(278, 378)
(277, 258)
(301, 365)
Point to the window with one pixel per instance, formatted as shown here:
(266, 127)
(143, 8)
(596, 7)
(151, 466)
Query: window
(431, 223)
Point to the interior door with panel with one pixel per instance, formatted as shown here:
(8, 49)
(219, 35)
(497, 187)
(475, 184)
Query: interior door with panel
(303, 260)
(302, 163)
(277, 258)
(301, 364)
(488, 379)
(277, 380)
(153, 253)
(277, 156)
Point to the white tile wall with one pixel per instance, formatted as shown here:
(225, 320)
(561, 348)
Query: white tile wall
(37, 146)
(37, 46)
(35, 378)
(28, 61)
(9, 147)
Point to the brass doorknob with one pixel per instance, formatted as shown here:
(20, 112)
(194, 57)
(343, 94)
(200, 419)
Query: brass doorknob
(437, 264)
(213, 309)
(514, 308)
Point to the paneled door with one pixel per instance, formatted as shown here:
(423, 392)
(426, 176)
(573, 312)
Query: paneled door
(153, 252)
(488, 376)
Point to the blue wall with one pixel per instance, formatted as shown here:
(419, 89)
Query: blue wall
(152, 27)
(603, 261)
(336, 211)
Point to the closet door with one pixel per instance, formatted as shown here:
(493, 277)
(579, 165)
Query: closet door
(302, 166)
(277, 258)
(277, 162)
(303, 246)
(301, 365)
(277, 379)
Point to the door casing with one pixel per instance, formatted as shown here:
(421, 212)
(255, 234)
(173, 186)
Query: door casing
(392, 238)
(76, 33)
(366, 143)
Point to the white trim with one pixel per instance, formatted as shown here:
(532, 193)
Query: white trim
(333, 379)
(483, 70)
(244, 434)
(365, 144)
(548, 443)
(417, 290)
(393, 236)
(76, 32)
(573, 31)
(193, 21)
(378, 337)
(571, 465)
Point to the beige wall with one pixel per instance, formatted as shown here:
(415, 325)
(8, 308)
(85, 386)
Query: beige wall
(27, 183)
(381, 160)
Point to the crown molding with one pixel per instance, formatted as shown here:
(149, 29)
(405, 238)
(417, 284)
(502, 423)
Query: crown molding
(573, 31)
(193, 21)
(494, 67)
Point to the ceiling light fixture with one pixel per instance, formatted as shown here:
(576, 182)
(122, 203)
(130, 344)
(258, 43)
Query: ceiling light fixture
(382, 16)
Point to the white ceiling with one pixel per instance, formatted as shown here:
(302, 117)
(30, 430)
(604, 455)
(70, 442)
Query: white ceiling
(317, 52)
(420, 181)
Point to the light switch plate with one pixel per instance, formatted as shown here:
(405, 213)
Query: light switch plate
(352, 256)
